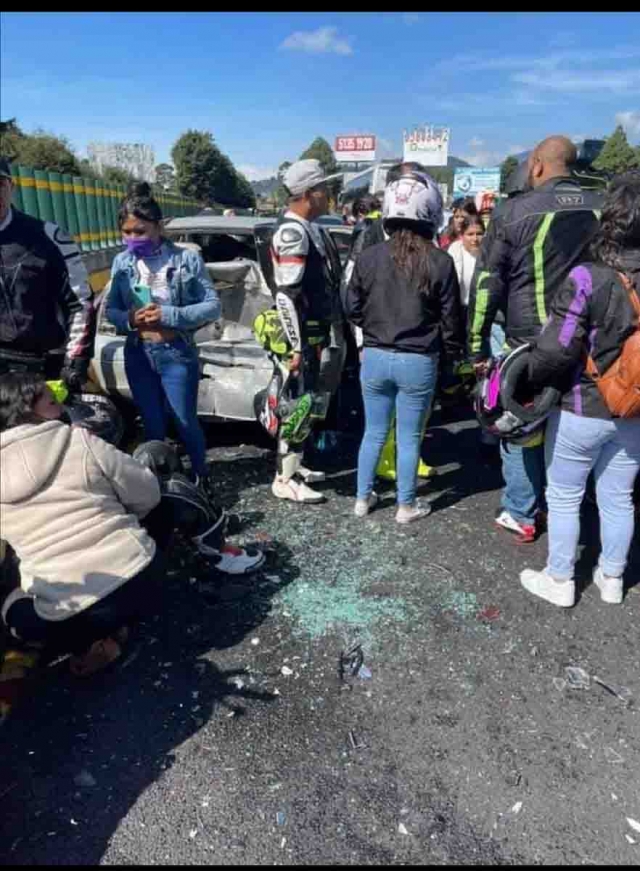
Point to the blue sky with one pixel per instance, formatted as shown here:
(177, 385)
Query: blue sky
(266, 84)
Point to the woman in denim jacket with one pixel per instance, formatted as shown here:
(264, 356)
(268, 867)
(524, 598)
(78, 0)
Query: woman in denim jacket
(160, 294)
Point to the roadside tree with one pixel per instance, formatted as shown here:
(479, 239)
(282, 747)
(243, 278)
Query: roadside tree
(617, 155)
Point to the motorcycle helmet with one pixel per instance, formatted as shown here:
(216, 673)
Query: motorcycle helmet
(96, 413)
(160, 457)
(504, 402)
(413, 198)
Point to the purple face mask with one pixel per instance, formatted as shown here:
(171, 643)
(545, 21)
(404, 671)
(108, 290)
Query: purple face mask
(142, 247)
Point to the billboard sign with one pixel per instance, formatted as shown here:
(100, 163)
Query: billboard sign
(427, 145)
(355, 149)
(468, 181)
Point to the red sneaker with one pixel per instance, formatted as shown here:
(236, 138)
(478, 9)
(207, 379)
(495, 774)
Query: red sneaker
(525, 533)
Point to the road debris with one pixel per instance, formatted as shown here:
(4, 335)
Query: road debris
(84, 779)
(516, 808)
(281, 818)
(620, 692)
(489, 614)
(613, 756)
(577, 678)
(402, 829)
(364, 673)
(351, 661)
(635, 825)
(354, 741)
(286, 671)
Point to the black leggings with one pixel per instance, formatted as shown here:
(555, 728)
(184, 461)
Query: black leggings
(139, 597)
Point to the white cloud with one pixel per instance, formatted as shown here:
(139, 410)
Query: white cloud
(256, 173)
(324, 40)
(410, 18)
(385, 149)
(614, 81)
(476, 142)
(630, 121)
(552, 60)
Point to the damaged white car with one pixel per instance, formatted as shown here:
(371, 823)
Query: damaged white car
(233, 367)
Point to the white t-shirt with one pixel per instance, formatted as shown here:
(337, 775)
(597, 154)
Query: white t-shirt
(153, 273)
(468, 266)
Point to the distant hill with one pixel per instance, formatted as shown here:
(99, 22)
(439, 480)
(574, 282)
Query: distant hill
(267, 186)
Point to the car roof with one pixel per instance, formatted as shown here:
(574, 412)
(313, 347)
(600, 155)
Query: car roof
(215, 224)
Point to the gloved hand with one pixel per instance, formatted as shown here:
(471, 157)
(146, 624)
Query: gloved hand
(74, 374)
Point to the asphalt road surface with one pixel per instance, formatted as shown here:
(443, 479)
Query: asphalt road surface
(228, 735)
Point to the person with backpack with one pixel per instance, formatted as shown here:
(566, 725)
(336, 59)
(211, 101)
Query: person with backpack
(590, 348)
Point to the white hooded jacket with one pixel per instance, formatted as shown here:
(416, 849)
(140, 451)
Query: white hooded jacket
(69, 507)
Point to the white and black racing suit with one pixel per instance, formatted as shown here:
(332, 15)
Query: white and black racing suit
(306, 277)
(46, 309)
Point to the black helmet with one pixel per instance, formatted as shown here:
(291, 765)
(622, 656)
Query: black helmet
(160, 457)
(96, 413)
(505, 404)
(518, 180)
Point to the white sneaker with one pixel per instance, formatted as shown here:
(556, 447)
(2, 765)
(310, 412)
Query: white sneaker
(409, 513)
(364, 506)
(234, 560)
(311, 477)
(611, 589)
(295, 491)
(562, 593)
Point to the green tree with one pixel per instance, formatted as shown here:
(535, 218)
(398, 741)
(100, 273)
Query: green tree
(117, 175)
(46, 151)
(166, 176)
(617, 155)
(509, 165)
(11, 137)
(284, 166)
(87, 170)
(197, 160)
(322, 151)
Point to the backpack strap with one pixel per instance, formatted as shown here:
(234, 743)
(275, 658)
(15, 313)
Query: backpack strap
(626, 282)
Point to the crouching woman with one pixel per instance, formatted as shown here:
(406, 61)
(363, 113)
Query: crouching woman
(86, 524)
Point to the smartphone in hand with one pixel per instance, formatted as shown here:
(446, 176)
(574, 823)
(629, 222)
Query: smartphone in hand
(141, 295)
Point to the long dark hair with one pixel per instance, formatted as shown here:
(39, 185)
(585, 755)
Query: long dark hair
(620, 222)
(19, 392)
(140, 203)
(471, 221)
(409, 248)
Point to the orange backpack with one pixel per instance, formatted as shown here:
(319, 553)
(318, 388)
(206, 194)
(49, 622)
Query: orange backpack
(620, 384)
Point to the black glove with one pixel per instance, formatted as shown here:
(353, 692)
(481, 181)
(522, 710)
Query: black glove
(74, 374)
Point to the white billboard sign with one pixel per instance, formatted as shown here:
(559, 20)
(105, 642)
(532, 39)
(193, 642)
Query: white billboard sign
(427, 145)
(355, 149)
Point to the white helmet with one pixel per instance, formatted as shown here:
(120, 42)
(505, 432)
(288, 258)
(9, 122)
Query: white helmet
(413, 197)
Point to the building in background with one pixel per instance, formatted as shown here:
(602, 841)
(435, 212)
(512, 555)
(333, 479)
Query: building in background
(135, 158)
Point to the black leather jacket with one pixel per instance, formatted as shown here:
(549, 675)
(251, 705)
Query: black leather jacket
(527, 252)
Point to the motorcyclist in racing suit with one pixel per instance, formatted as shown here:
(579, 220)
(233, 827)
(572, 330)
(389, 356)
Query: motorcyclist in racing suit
(47, 319)
(308, 303)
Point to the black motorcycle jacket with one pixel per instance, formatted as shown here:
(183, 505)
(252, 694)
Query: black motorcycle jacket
(45, 296)
(530, 247)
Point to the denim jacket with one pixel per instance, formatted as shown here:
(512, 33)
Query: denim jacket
(194, 300)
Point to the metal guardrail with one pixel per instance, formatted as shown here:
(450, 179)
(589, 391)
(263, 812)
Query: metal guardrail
(86, 208)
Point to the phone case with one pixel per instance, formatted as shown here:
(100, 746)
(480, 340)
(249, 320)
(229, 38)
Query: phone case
(141, 295)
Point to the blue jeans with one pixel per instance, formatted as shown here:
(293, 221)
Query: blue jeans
(523, 473)
(574, 446)
(160, 372)
(405, 384)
